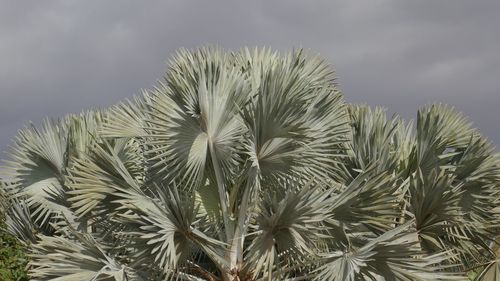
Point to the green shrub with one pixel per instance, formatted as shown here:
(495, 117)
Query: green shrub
(13, 259)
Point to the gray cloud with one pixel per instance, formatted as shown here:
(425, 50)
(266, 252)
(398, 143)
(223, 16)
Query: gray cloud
(59, 57)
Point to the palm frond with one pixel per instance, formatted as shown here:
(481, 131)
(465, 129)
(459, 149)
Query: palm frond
(287, 230)
(395, 255)
(127, 119)
(83, 132)
(77, 258)
(441, 131)
(19, 223)
(375, 139)
(370, 199)
(297, 118)
(97, 177)
(196, 110)
(478, 170)
(165, 233)
(37, 170)
(434, 203)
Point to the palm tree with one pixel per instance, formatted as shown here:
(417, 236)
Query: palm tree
(250, 166)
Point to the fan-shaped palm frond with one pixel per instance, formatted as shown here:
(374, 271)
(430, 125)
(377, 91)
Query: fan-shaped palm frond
(434, 202)
(370, 199)
(149, 214)
(38, 165)
(166, 230)
(77, 258)
(297, 119)
(19, 223)
(478, 169)
(193, 118)
(287, 230)
(440, 132)
(395, 255)
(446, 146)
(127, 119)
(375, 139)
(99, 176)
(37, 170)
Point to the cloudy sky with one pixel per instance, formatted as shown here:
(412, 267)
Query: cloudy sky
(59, 57)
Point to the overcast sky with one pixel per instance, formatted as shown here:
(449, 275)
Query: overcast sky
(59, 57)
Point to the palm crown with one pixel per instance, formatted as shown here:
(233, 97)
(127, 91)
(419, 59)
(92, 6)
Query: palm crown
(250, 166)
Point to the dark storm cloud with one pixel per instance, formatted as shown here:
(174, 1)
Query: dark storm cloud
(59, 57)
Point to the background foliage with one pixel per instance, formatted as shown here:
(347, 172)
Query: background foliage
(13, 255)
